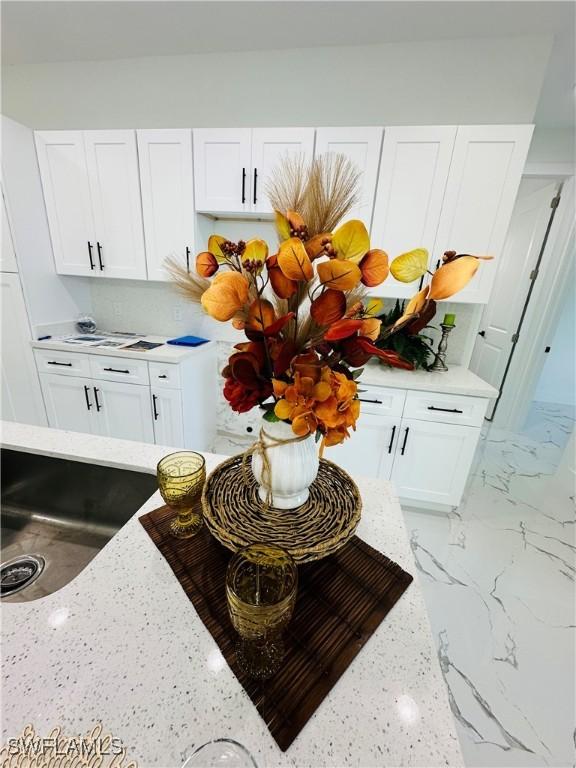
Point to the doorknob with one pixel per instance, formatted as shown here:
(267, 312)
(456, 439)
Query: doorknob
(482, 333)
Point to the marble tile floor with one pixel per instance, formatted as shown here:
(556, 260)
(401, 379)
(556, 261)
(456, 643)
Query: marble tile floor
(498, 576)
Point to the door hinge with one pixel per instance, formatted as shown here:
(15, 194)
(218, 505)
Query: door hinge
(514, 338)
(533, 274)
(555, 202)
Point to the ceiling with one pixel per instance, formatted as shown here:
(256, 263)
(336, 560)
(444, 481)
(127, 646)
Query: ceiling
(82, 30)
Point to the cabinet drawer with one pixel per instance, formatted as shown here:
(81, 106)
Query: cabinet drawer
(65, 363)
(119, 369)
(448, 409)
(162, 375)
(381, 400)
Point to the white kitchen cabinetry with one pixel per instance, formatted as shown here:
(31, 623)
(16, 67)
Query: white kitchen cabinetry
(370, 449)
(124, 410)
(167, 186)
(231, 166)
(485, 173)
(167, 413)
(414, 169)
(8, 256)
(92, 193)
(70, 403)
(362, 147)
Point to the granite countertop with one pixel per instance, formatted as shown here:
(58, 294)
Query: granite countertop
(168, 353)
(122, 644)
(457, 380)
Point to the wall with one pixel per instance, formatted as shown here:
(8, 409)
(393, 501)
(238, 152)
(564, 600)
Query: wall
(557, 383)
(552, 145)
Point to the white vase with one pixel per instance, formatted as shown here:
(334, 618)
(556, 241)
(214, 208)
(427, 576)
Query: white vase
(293, 466)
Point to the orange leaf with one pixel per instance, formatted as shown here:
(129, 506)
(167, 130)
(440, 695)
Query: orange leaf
(339, 275)
(452, 277)
(416, 302)
(328, 307)
(214, 243)
(260, 315)
(342, 329)
(294, 261)
(317, 245)
(295, 221)
(281, 285)
(370, 328)
(351, 240)
(254, 255)
(226, 295)
(206, 264)
(374, 267)
(282, 226)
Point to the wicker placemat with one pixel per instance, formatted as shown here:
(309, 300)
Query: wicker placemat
(341, 601)
(235, 515)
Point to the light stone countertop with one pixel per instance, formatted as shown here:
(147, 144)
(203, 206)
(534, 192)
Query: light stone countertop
(121, 643)
(168, 353)
(457, 380)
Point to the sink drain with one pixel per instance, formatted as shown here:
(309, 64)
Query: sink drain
(19, 572)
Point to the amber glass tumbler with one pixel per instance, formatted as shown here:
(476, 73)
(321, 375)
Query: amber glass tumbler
(181, 478)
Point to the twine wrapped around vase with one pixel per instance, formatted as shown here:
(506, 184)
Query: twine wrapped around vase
(260, 449)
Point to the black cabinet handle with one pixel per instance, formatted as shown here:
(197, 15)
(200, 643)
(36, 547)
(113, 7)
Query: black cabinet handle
(255, 183)
(445, 410)
(243, 185)
(99, 248)
(98, 406)
(363, 400)
(154, 398)
(117, 370)
(88, 403)
(90, 255)
(53, 362)
(482, 333)
(187, 259)
(162, 376)
(391, 443)
(405, 441)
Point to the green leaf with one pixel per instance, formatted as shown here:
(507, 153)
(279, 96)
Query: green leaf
(270, 416)
(317, 436)
(357, 373)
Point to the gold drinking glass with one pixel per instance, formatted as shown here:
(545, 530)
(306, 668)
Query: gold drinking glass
(181, 477)
(261, 586)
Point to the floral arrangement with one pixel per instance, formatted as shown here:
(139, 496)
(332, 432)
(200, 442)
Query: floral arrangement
(308, 322)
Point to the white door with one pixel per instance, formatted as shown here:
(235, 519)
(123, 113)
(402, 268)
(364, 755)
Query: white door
(21, 395)
(62, 163)
(8, 255)
(167, 186)
(167, 413)
(269, 147)
(362, 147)
(432, 461)
(112, 162)
(369, 451)
(124, 410)
(513, 279)
(413, 174)
(70, 403)
(485, 173)
(222, 179)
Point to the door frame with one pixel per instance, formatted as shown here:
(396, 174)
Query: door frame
(543, 311)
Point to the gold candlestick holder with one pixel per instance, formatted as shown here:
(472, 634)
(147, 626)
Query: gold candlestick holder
(439, 363)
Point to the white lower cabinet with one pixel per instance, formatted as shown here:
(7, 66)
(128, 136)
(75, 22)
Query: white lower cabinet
(370, 449)
(70, 402)
(167, 413)
(123, 410)
(432, 461)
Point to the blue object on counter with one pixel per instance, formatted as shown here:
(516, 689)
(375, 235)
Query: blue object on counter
(188, 341)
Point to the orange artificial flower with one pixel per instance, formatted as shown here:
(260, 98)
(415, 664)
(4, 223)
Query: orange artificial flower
(227, 294)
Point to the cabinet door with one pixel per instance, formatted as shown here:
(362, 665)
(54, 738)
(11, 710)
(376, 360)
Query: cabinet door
(222, 179)
(124, 410)
(62, 162)
(21, 396)
(70, 403)
(167, 411)
(484, 177)
(362, 147)
(369, 451)
(8, 255)
(269, 147)
(413, 173)
(112, 162)
(433, 460)
(167, 186)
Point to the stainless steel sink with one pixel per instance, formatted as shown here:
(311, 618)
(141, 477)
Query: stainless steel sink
(59, 513)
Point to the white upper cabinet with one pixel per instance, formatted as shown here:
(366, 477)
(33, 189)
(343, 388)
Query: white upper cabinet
(8, 256)
(269, 147)
(485, 173)
(112, 162)
(414, 170)
(362, 147)
(62, 162)
(167, 186)
(222, 177)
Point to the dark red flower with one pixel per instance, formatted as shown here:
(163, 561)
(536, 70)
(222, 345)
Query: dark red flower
(245, 387)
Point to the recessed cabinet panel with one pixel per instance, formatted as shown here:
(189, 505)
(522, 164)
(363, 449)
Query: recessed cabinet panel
(124, 410)
(167, 185)
(222, 176)
(70, 403)
(8, 255)
(167, 414)
(369, 451)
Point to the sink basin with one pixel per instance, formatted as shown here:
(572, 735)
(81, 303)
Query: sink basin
(61, 513)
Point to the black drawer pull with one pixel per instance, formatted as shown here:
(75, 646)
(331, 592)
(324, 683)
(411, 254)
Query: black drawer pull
(243, 185)
(405, 441)
(255, 183)
(88, 403)
(445, 410)
(162, 376)
(53, 362)
(364, 400)
(90, 255)
(391, 443)
(154, 398)
(117, 370)
(99, 249)
(98, 406)
(187, 259)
